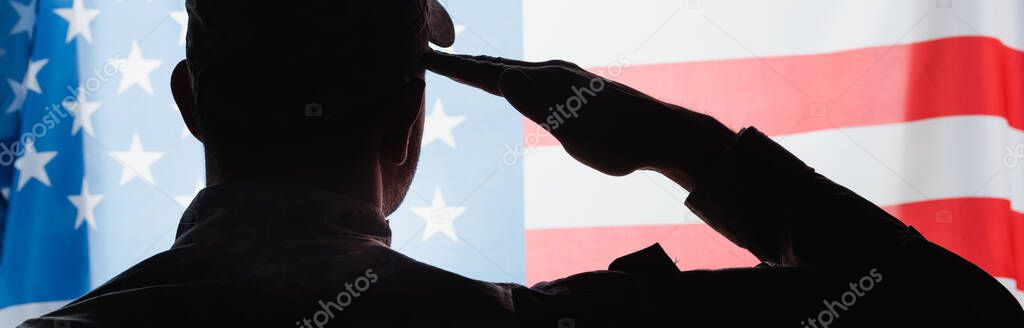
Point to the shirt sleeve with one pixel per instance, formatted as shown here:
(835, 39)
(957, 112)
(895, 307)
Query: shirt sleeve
(766, 200)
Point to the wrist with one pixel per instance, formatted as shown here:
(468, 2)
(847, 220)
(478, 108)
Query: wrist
(692, 148)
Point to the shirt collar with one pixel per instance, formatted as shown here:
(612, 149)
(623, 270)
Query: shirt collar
(233, 207)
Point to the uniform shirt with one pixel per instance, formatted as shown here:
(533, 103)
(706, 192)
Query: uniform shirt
(260, 255)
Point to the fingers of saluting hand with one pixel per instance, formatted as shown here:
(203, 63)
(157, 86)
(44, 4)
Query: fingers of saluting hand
(480, 71)
(530, 87)
(483, 72)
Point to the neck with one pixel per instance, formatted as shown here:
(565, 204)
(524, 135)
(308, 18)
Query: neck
(356, 179)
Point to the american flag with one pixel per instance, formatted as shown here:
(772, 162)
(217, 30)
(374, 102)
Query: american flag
(96, 166)
(917, 105)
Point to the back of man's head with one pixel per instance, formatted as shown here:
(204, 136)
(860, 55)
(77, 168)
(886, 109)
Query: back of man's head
(306, 75)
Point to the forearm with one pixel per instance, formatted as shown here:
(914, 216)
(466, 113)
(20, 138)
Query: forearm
(766, 200)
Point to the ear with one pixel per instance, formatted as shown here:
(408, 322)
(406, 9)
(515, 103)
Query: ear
(181, 87)
(401, 122)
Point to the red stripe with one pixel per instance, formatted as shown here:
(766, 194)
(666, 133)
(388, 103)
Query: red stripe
(985, 231)
(556, 253)
(870, 86)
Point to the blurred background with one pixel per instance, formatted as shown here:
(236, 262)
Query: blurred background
(917, 105)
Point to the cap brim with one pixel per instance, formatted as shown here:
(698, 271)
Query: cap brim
(442, 30)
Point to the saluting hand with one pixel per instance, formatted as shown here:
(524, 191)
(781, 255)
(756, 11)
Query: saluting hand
(601, 123)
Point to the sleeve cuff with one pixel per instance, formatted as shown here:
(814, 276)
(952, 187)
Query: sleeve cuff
(766, 200)
(740, 196)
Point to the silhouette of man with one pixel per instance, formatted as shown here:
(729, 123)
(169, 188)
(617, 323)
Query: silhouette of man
(311, 115)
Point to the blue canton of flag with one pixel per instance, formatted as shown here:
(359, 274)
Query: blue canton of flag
(94, 177)
(45, 257)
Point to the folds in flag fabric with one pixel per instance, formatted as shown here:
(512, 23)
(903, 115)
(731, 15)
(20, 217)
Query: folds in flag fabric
(916, 105)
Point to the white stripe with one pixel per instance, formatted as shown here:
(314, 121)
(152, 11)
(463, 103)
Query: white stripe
(1012, 286)
(597, 32)
(950, 157)
(561, 193)
(13, 316)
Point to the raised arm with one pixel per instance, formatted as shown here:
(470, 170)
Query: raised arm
(744, 186)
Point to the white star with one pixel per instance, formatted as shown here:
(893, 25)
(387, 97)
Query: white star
(31, 80)
(20, 92)
(439, 217)
(26, 17)
(439, 125)
(182, 18)
(186, 200)
(78, 18)
(135, 71)
(6, 191)
(85, 203)
(459, 28)
(32, 165)
(137, 162)
(82, 109)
